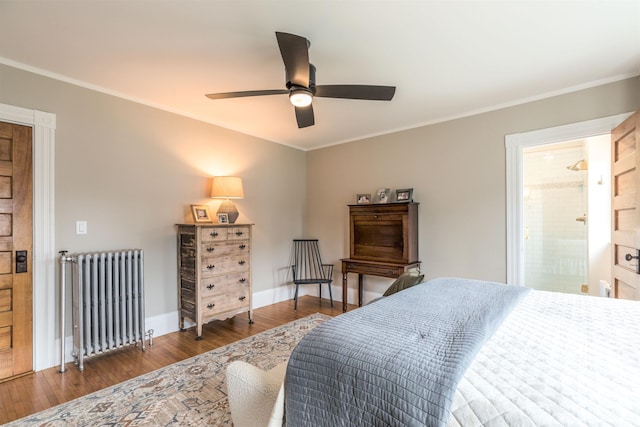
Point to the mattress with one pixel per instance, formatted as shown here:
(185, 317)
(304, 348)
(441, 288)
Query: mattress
(557, 360)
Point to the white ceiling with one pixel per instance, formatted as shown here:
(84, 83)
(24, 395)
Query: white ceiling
(447, 58)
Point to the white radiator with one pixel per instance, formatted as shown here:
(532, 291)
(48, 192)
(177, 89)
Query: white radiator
(107, 302)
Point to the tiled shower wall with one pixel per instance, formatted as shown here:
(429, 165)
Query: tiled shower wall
(555, 243)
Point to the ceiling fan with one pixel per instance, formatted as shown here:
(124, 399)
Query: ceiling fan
(301, 82)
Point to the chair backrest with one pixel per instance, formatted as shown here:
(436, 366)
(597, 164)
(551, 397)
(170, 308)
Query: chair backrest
(307, 263)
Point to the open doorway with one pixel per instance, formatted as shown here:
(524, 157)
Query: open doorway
(515, 145)
(566, 215)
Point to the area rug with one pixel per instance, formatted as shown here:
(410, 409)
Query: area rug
(188, 393)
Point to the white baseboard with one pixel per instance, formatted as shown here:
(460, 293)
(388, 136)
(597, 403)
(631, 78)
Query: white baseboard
(164, 323)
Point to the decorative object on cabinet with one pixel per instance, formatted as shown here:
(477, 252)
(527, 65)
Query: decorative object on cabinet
(308, 268)
(404, 195)
(227, 187)
(214, 272)
(382, 195)
(201, 213)
(383, 241)
(223, 218)
(363, 199)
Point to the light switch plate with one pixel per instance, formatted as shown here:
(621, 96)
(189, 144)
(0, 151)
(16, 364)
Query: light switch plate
(81, 227)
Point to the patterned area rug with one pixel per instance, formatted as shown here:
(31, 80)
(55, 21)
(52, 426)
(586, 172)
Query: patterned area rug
(188, 393)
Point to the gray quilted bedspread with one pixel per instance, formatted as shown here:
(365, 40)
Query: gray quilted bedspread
(396, 362)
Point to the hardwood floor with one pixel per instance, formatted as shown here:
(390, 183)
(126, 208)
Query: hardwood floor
(41, 390)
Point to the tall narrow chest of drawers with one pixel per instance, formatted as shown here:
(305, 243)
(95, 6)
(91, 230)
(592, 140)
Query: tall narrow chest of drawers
(214, 272)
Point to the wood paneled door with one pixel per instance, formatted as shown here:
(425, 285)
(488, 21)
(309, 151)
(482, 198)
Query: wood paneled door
(625, 219)
(16, 247)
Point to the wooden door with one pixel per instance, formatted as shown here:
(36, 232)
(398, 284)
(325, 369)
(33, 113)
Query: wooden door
(625, 219)
(16, 228)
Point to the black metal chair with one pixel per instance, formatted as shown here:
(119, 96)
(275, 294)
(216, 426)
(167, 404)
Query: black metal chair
(308, 267)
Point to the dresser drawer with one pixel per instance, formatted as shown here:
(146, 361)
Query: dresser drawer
(213, 234)
(373, 269)
(234, 300)
(224, 248)
(212, 266)
(221, 284)
(238, 233)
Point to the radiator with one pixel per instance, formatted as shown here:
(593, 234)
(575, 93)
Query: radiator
(107, 302)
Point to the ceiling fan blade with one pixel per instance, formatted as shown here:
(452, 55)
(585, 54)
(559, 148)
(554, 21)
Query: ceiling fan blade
(242, 94)
(374, 93)
(295, 55)
(304, 116)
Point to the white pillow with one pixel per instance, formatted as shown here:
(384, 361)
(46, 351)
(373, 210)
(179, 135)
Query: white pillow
(256, 397)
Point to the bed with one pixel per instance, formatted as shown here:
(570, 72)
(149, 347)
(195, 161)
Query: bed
(455, 352)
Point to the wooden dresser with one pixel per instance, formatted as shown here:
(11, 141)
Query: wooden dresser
(383, 241)
(214, 272)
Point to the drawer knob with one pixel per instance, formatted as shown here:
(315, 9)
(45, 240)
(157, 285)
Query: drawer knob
(242, 280)
(213, 234)
(242, 246)
(210, 249)
(211, 305)
(211, 286)
(242, 262)
(239, 233)
(242, 298)
(211, 266)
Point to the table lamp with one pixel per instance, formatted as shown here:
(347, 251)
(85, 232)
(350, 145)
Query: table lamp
(227, 187)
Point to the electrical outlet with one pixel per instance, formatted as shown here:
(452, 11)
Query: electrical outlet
(584, 288)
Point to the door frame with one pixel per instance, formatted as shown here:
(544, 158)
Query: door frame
(45, 353)
(515, 145)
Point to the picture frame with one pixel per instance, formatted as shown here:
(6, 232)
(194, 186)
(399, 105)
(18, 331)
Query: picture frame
(223, 218)
(382, 195)
(201, 213)
(363, 199)
(404, 195)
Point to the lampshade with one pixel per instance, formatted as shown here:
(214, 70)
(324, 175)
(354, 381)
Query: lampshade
(227, 187)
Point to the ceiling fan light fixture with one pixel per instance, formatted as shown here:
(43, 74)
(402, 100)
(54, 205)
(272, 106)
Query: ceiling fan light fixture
(300, 97)
(300, 82)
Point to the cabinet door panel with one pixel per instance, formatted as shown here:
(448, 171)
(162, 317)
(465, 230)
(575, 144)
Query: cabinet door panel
(384, 233)
(378, 239)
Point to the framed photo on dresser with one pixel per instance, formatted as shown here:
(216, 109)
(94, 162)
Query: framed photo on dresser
(363, 199)
(404, 195)
(382, 195)
(201, 213)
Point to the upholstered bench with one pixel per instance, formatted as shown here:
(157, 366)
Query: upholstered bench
(256, 397)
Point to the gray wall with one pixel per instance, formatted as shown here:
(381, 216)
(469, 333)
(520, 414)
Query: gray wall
(458, 173)
(132, 171)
